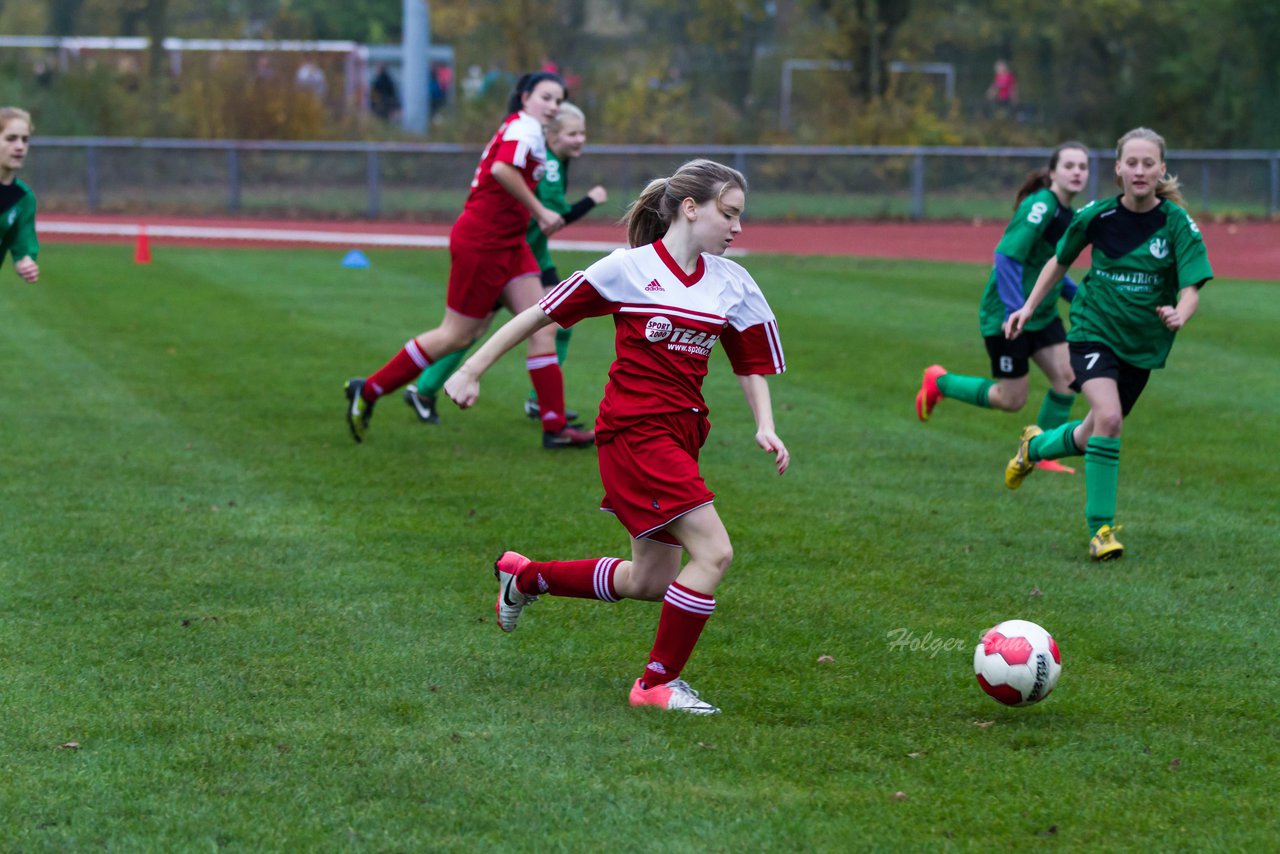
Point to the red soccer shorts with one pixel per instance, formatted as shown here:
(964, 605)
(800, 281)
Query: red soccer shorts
(477, 277)
(650, 473)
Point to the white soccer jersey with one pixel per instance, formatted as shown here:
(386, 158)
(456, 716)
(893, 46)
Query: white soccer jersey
(667, 324)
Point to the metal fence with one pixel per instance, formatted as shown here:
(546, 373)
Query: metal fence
(429, 181)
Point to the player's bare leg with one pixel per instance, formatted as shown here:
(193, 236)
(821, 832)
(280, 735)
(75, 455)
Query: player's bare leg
(686, 606)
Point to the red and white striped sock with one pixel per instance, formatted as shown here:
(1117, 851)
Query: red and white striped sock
(548, 382)
(582, 579)
(403, 367)
(684, 613)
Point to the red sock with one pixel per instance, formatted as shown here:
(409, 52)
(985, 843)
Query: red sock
(684, 613)
(548, 382)
(404, 366)
(582, 579)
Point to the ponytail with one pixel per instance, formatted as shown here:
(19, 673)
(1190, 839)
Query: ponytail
(643, 219)
(1169, 188)
(1036, 180)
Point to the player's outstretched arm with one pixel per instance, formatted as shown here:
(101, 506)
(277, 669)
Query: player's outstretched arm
(463, 387)
(756, 389)
(27, 269)
(1049, 276)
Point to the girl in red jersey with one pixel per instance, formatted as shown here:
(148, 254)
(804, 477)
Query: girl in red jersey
(672, 297)
(491, 263)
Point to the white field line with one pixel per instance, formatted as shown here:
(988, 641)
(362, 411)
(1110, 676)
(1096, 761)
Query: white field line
(280, 235)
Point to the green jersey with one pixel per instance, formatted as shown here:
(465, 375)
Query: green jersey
(1029, 239)
(18, 221)
(551, 193)
(1140, 262)
(551, 189)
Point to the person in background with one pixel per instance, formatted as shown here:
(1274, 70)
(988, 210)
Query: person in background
(490, 261)
(17, 201)
(384, 99)
(566, 136)
(1042, 212)
(1003, 91)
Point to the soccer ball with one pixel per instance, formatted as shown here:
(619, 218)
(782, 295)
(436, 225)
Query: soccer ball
(1017, 663)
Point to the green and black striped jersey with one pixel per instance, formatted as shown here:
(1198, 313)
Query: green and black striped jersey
(1140, 261)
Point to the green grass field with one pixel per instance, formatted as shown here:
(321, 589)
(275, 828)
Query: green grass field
(264, 637)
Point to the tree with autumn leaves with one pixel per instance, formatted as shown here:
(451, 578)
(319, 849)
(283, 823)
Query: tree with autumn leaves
(1206, 72)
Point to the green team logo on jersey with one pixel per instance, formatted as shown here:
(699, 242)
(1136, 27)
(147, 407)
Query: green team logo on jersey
(13, 214)
(1140, 261)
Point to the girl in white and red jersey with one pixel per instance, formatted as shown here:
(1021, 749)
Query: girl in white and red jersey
(490, 263)
(673, 298)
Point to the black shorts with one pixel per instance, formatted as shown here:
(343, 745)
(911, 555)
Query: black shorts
(1011, 359)
(550, 278)
(1091, 360)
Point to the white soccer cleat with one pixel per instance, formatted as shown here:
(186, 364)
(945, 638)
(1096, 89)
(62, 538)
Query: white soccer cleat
(510, 600)
(674, 696)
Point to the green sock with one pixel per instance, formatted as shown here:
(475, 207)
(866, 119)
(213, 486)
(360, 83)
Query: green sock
(1055, 410)
(1054, 444)
(971, 390)
(1101, 481)
(432, 379)
(562, 343)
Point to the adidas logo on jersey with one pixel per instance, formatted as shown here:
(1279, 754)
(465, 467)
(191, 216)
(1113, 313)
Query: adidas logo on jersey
(654, 286)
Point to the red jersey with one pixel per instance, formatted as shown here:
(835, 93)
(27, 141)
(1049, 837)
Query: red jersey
(492, 217)
(1004, 83)
(667, 324)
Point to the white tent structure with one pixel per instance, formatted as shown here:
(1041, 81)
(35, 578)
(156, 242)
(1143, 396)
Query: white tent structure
(354, 56)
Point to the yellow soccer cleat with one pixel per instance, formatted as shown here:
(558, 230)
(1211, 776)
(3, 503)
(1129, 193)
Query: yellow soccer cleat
(1021, 466)
(1104, 545)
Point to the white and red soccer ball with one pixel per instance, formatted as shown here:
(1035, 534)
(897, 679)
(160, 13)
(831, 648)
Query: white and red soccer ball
(1017, 662)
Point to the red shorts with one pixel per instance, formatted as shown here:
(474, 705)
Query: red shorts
(650, 473)
(477, 277)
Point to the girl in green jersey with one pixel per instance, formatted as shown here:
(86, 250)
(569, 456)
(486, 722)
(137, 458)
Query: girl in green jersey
(17, 202)
(1042, 212)
(1148, 265)
(566, 136)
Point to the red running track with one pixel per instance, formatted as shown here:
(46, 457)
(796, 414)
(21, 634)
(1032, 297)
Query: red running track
(1247, 250)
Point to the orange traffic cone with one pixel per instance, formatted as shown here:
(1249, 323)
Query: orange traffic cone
(142, 249)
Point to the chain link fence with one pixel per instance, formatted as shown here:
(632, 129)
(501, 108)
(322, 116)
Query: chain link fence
(429, 181)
